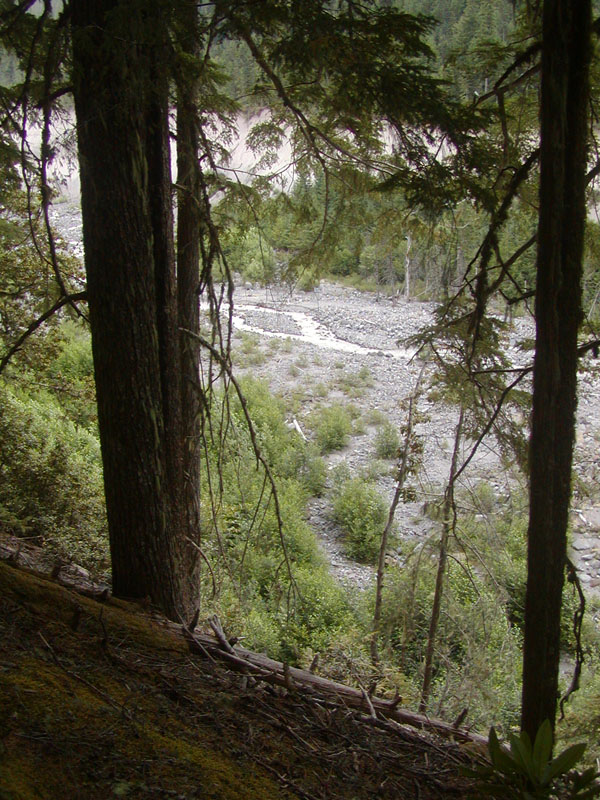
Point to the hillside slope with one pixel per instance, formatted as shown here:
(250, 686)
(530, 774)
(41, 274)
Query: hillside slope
(100, 698)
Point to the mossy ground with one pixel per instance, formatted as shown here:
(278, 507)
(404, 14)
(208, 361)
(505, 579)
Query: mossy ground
(91, 706)
(104, 699)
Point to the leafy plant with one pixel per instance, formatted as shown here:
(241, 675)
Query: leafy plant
(51, 479)
(527, 772)
(361, 512)
(333, 426)
(387, 441)
(313, 471)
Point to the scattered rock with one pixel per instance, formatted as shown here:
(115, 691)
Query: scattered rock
(376, 326)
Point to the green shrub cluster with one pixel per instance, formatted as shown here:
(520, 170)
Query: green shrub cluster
(477, 661)
(71, 375)
(51, 478)
(272, 585)
(333, 426)
(361, 512)
(387, 441)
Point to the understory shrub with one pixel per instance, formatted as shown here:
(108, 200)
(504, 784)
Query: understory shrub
(272, 586)
(361, 512)
(582, 712)
(51, 479)
(477, 663)
(332, 426)
(71, 374)
(387, 441)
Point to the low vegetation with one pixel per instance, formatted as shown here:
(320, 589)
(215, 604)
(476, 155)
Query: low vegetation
(270, 582)
(361, 512)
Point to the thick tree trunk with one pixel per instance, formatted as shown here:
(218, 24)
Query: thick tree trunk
(121, 97)
(188, 256)
(565, 66)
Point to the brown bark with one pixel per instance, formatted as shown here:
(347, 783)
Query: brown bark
(565, 67)
(120, 91)
(188, 263)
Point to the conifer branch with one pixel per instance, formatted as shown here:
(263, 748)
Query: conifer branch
(63, 301)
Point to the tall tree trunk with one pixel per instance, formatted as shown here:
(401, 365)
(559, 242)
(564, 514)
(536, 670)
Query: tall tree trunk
(121, 103)
(564, 98)
(188, 258)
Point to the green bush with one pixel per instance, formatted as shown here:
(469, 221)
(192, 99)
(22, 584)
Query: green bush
(313, 471)
(51, 479)
(387, 441)
(582, 712)
(374, 416)
(332, 425)
(250, 563)
(361, 512)
(478, 651)
(283, 448)
(71, 374)
(320, 614)
(249, 253)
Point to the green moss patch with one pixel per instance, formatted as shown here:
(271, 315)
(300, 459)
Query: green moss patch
(90, 705)
(104, 700)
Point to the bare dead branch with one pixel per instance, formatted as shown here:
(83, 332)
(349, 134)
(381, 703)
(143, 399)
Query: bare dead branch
(63, 301)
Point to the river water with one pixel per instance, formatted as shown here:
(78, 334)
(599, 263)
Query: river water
(312, 332)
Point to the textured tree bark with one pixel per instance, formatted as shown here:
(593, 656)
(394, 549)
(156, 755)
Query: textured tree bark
(121, 103)
(564, 131)
(189, 203)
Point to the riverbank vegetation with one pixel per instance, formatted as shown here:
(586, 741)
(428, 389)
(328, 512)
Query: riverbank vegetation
(280, 597)
(156, 431)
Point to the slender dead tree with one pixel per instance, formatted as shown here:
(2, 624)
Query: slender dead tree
(448, 524)
(404, 465)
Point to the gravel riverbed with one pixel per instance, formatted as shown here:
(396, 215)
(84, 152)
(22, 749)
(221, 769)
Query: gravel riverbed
(351, 347)
(371, 332)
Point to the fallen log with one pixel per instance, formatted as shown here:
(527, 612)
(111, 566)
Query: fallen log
(255, 666)
(277, 673)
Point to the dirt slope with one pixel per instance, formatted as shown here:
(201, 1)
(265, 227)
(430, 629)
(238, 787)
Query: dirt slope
(100, 698)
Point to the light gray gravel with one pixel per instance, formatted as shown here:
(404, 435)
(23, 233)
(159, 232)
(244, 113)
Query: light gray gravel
(382, 323)
(378, 326)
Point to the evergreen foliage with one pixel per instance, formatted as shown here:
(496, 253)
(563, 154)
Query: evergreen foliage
(332, 424)
(361, 513)
(365, 96)
(51, 479)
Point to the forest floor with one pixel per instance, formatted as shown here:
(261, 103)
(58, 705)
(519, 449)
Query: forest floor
(100, 698)
(358, 356)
